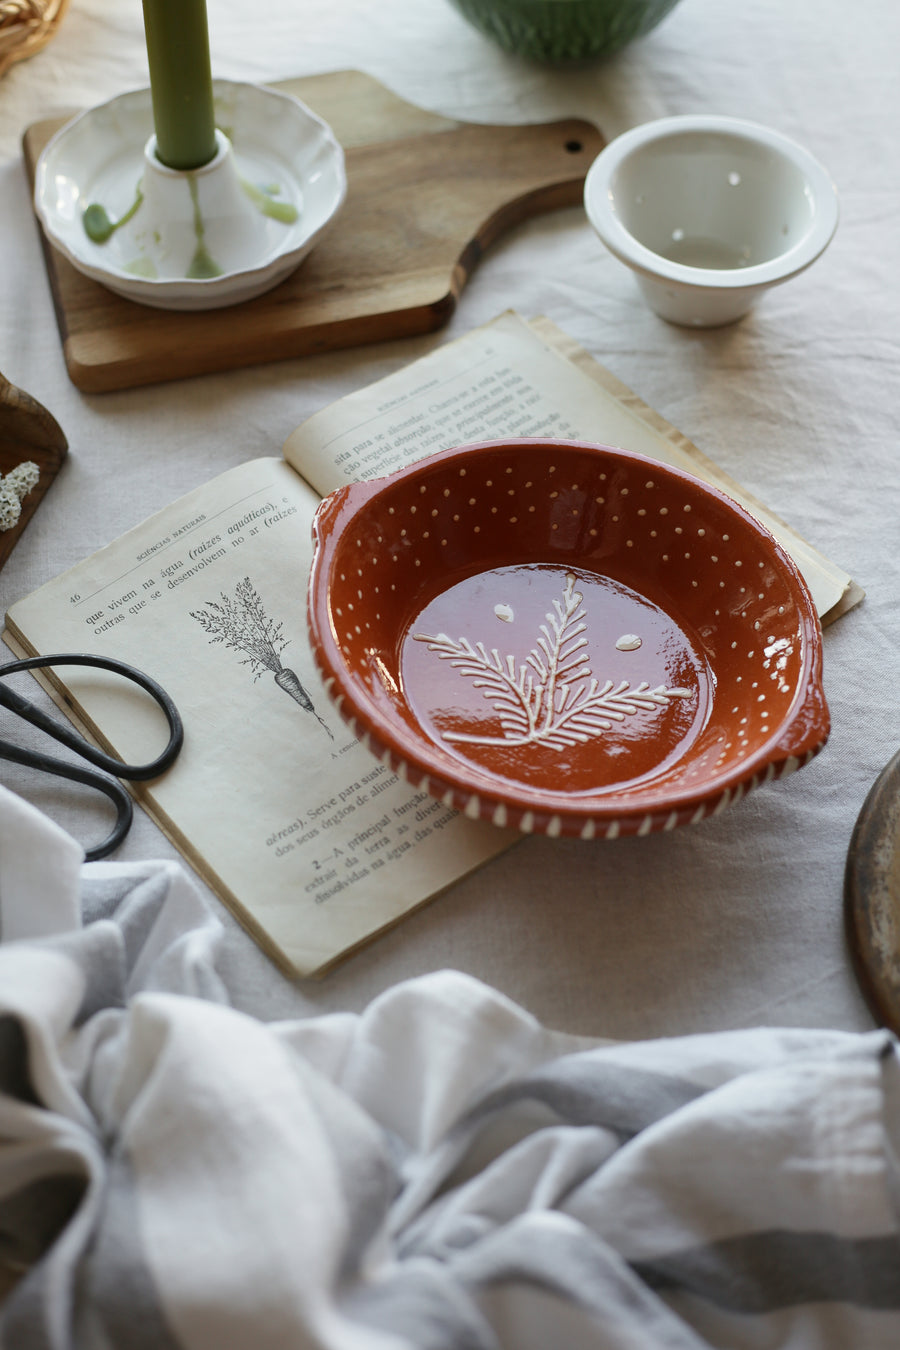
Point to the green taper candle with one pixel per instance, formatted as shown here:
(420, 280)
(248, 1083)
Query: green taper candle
(180, 82)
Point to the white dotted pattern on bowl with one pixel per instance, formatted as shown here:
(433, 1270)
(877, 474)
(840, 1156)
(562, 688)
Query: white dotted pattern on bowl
(768, 640)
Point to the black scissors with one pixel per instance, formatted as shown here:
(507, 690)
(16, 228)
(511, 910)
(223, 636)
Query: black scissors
(14, 701)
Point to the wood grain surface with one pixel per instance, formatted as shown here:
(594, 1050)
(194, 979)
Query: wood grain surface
(426, 196)
(27, 432)
(872, 896)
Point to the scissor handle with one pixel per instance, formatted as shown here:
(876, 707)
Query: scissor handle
(11, 699)
(15, 702)
(33, 759)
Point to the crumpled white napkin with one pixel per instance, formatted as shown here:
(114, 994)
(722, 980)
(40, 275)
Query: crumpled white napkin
(439, 1171)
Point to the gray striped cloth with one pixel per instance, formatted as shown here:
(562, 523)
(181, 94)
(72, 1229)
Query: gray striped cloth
(439, 1172)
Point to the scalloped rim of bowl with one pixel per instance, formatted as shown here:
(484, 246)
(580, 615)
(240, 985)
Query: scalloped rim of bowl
(600, 209)
(799, 736)
(119, 130)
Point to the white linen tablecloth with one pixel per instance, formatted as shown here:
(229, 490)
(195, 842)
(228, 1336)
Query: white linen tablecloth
(436, 1172)
(730, 924)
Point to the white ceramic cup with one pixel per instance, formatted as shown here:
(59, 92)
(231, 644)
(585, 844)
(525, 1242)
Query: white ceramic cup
(709, 212)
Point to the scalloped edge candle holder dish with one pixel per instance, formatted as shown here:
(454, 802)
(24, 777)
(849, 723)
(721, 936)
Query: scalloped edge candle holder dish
(192, 239)
(565, 638)
(709, 213)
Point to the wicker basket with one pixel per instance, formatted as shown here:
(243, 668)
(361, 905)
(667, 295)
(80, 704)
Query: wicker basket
(25, 26)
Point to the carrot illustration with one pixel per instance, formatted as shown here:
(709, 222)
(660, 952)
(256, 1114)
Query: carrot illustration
(240, 622)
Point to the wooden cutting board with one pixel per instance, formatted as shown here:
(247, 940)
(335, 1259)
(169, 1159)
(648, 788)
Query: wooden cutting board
(426, 196)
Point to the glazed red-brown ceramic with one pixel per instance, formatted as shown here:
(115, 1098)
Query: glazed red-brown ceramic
(565, 638)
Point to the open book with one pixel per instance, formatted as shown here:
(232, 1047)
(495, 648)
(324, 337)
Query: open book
(314, 844)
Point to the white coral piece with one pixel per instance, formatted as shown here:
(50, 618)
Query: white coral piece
(14, 488)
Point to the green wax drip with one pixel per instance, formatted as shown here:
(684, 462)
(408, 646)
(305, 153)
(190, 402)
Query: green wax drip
(264, 202)
(97, 225)
(142, 267)
(202, 265)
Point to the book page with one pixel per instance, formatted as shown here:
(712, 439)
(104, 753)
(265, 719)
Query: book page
(311, 841)
(510, 378)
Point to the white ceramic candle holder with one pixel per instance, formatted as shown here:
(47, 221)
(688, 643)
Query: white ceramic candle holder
(709, 212)
(191, 239)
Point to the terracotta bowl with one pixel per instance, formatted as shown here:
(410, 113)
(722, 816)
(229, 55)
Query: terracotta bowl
(565, 638)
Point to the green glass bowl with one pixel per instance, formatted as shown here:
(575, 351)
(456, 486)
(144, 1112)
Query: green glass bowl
(563, 30)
